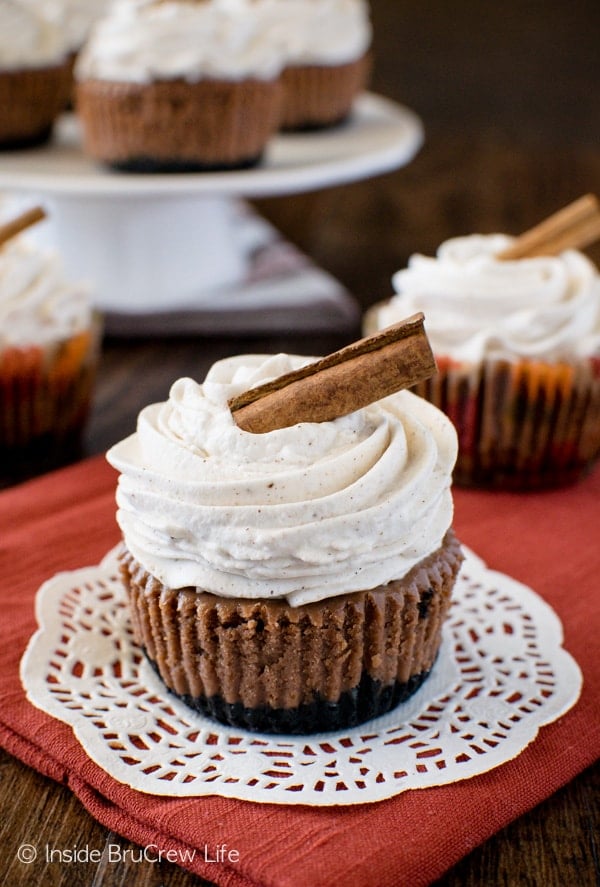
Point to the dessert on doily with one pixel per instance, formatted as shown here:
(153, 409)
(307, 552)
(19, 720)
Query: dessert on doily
(501, 672)
(515, 328)
(288, 545)
(34, 75)
(49, 345)
(500, 676)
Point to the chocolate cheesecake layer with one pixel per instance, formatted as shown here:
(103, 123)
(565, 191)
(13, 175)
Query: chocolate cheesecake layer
(264, 665)
(175, 125)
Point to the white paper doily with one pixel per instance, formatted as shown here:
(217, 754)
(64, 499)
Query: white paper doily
(500, 676)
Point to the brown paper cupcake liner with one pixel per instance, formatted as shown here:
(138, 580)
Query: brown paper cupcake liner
(521, 424)
(45, 397)
(31, 99)
(267, 666)
(173, 125)
(70, 97)
(317, 96)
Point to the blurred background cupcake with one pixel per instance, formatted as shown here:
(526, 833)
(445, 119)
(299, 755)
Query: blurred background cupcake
(517, 343)
(176, 85)
(327, 62)
(34, 75)
(49, 347)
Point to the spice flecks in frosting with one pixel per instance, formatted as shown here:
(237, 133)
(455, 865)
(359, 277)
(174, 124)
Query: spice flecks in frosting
(477, 306)
(305, 512)
(38, 304)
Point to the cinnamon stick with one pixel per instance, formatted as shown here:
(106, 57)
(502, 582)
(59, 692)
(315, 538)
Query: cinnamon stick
(369, 369)
(20, 223)
(573, 227)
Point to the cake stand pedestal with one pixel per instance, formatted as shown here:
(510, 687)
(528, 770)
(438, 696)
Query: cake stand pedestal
(168, 241)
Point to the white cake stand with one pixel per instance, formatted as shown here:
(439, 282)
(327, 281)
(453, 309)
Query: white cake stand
(153, 242)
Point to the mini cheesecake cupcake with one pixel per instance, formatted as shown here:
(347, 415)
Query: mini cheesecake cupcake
(49, 342)
(34, 76)
(326, 45)
(291, 581)
(178, 85)
(517, 345)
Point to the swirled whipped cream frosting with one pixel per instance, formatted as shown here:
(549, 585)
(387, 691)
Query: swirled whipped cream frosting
(301, 513)
(477, 306)
(28, 39)
(74, 18)
(317, 32)
(139, 41)
(38, 304)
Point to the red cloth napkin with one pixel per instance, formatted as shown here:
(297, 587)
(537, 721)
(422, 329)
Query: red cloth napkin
(547, 540)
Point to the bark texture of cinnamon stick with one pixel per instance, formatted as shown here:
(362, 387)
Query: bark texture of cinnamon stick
(362, 373)
(20, 223)
(573, 227)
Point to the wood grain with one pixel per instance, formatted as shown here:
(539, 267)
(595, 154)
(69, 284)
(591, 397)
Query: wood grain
(511, 109)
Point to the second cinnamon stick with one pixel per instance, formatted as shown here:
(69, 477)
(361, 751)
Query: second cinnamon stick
(347, 380)
(573, 227)
(23, 221)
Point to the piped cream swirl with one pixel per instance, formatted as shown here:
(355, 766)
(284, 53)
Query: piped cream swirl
(477, 306)
(302, 513)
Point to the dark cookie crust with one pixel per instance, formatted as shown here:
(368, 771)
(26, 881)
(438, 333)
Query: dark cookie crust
(368, 700)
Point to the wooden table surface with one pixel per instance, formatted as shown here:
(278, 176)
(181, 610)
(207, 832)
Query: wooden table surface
(510, 98)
